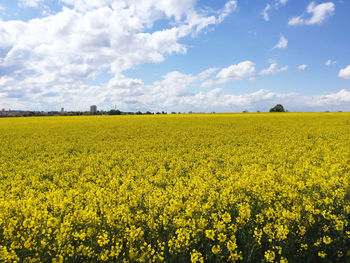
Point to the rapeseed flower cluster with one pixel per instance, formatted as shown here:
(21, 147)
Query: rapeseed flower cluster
(176, 188)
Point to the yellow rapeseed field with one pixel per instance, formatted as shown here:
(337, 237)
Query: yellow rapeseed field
(176, 188)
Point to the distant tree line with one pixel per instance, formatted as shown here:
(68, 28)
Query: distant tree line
(14, 113)
(118, 112)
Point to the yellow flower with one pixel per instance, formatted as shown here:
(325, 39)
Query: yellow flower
(304, 246)
(322, 254)
(210, 234)
(216, 249)
(106, 188)
(58, 259)
(339, 225)
(226, 218)
(222, 237)
(269, 256)
(231, 246)
(196, 257)
(327, 240)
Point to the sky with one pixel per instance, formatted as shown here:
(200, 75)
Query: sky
(175, 55)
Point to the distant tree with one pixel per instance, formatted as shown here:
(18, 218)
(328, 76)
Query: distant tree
(114, 112)
(148, 112)
(245, 111)
(158, 112)
(173, 112)
(277, 108)
(138, 113)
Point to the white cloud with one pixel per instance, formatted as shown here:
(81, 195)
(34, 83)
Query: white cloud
(265, 12)
(319, 13)
(340, 98)
(279, 3)
(216, 100)
(276, 5)
(345, 73)
(55, 57)
(242, 70)
(207, 73)
(239, 71)
(51, 62)
(174, 84)
(177, 9)
(171, 93)
(282, 2)
(295, 21)
(31, 3)
(282, 43)
(226, 10)
(330, 62)
(273, 69)
(2, 8)
(302, 67)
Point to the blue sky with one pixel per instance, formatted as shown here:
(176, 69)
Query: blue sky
(175, 55)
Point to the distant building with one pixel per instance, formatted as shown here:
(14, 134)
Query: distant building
(93, 109)
(62, 110)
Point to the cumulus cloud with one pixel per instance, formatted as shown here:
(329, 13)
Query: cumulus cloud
(177, 9)
(57, 56)
(302, 67)
(341, 97)
(207, 73)
(171, 93)
(242, 70)
(265, 13)
(49, 62)
(30, 3)
(174, 84)
(217, 100)
(273, 69)
(319, 13)
(282, 43)
(239, 71)
(345, 73)
(330, 62)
